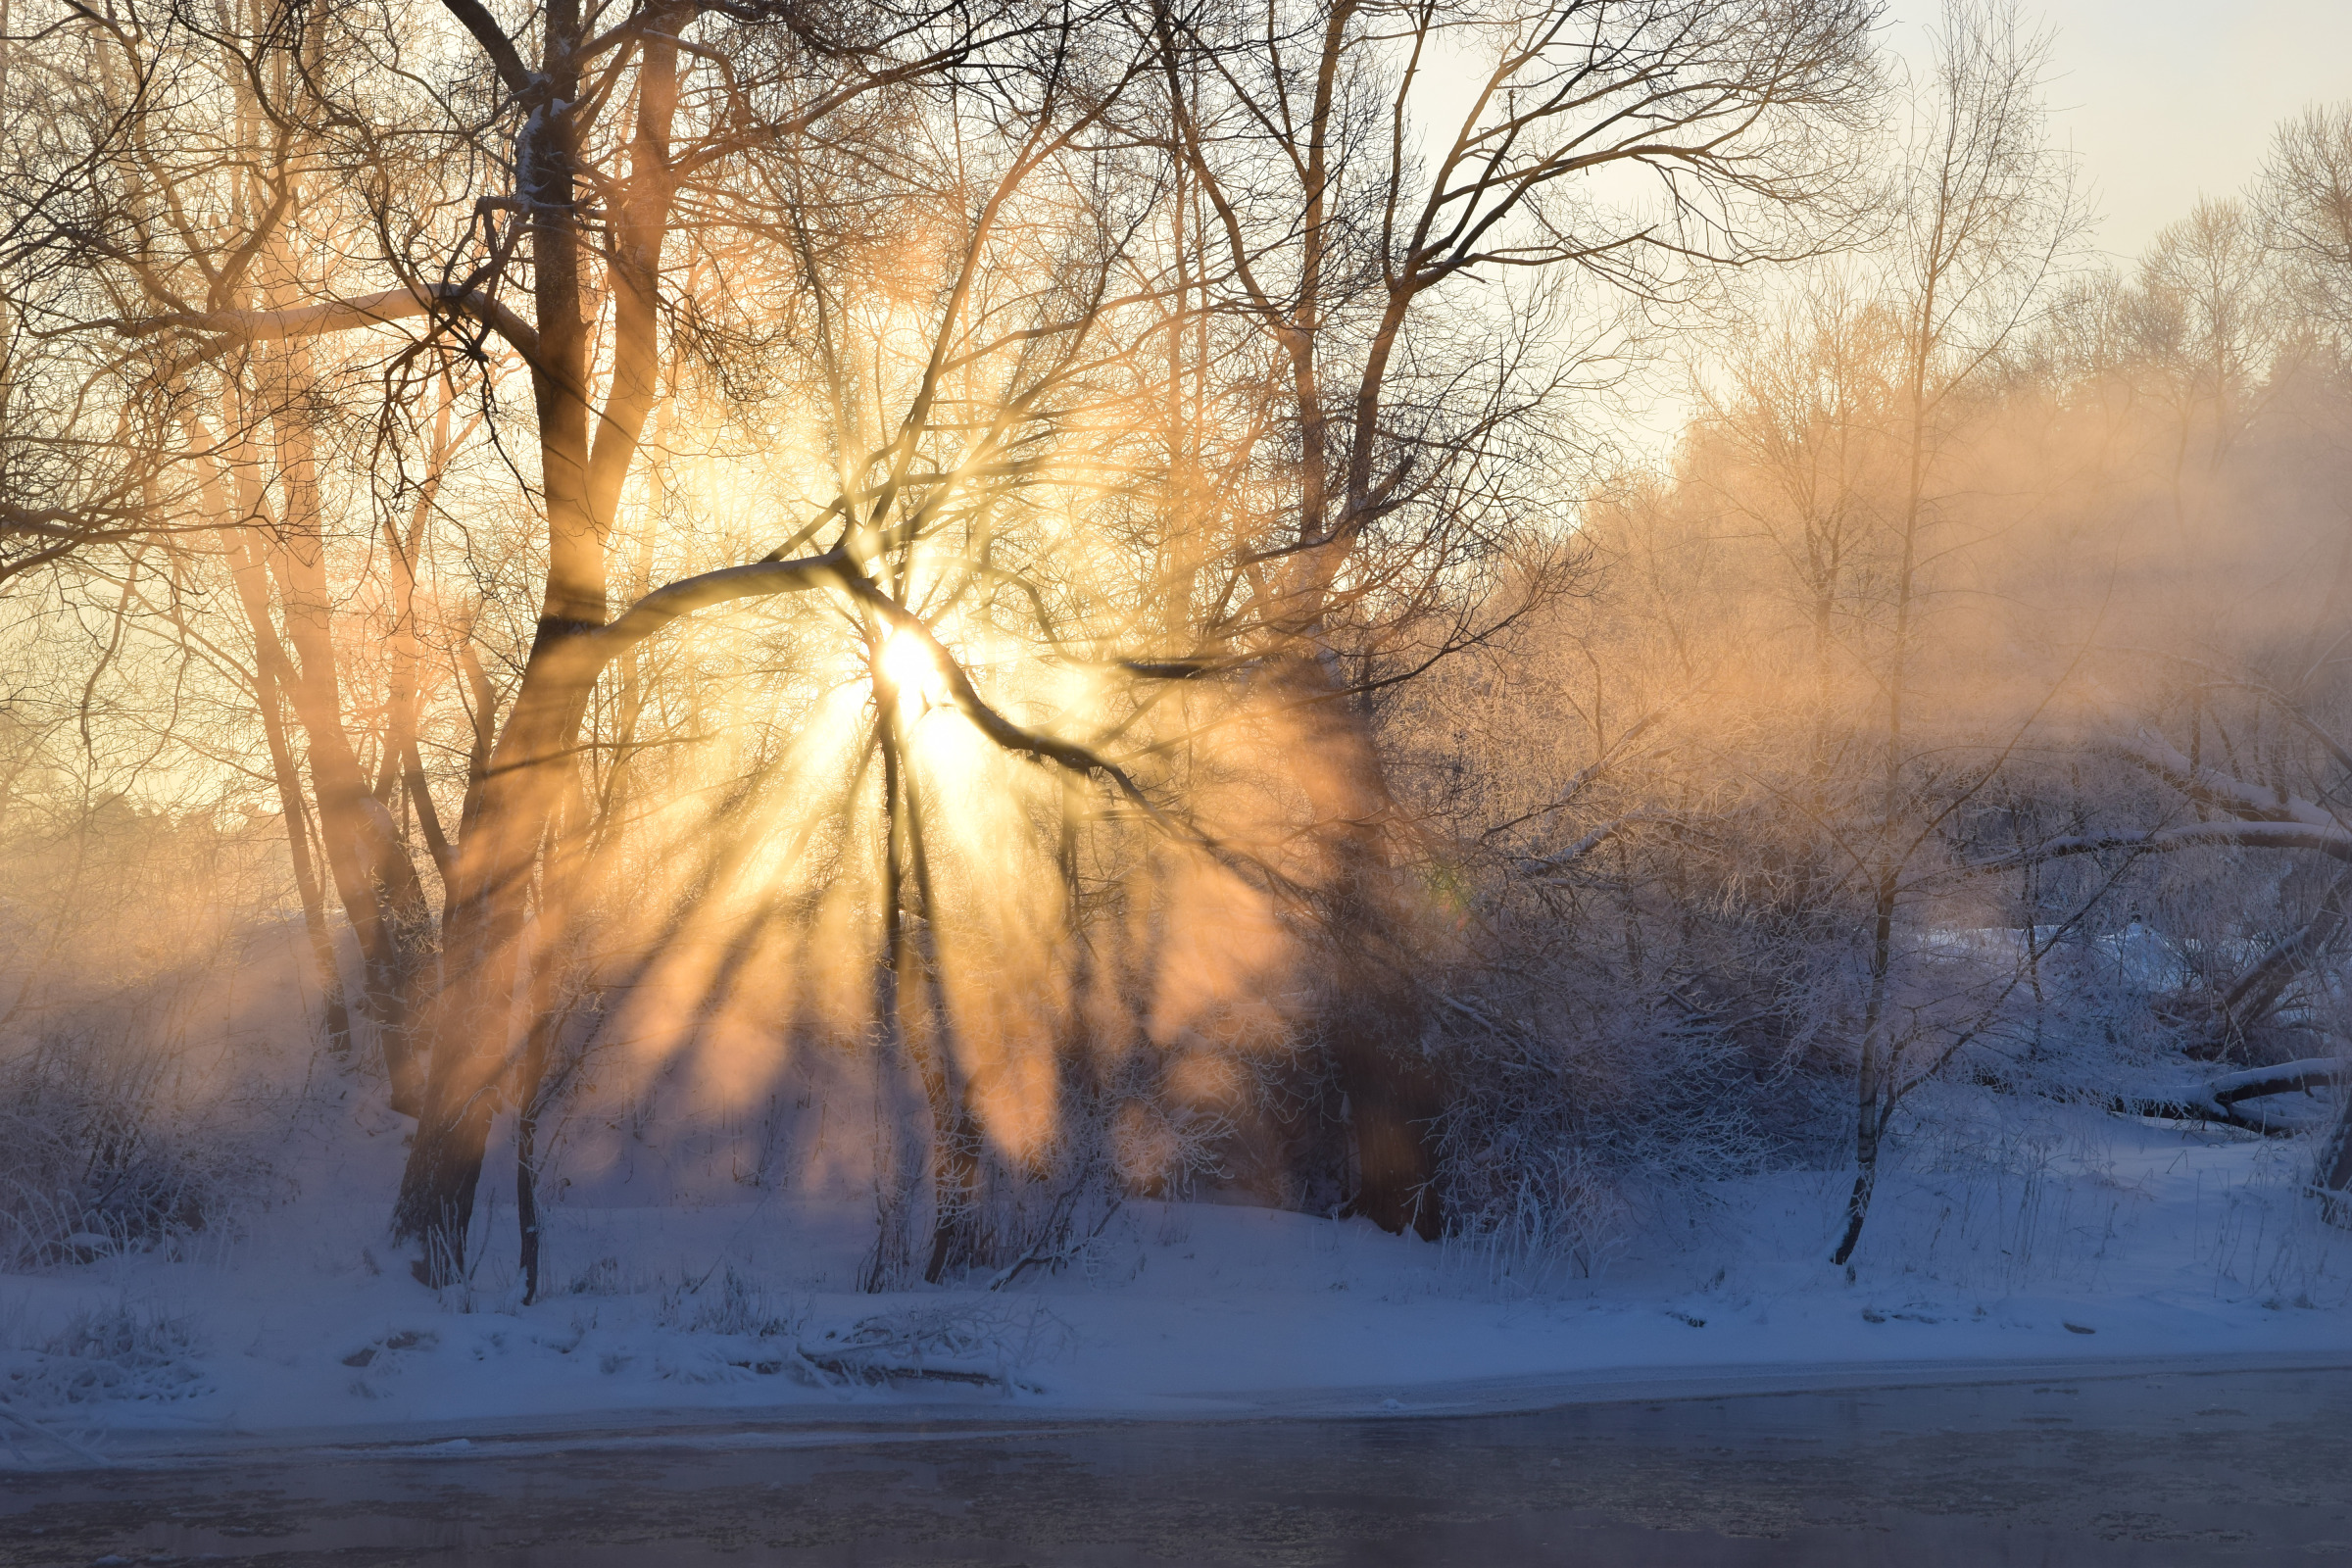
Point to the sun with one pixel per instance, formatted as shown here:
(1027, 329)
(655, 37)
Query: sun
(910, 666)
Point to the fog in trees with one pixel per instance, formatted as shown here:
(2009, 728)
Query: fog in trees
(986, 615)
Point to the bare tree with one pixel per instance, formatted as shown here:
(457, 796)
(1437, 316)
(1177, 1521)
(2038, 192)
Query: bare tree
(1988, 217)
(2306, 201)
(2206, 332)
(588, 221)
(1373, 175)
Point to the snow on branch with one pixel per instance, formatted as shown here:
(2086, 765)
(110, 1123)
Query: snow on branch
(2262, 817)
(2331, 841)
(2249, 803)
(2217, 1099)
(1550, 866)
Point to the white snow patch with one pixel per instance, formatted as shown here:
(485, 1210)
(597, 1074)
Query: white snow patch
(2085, 1237)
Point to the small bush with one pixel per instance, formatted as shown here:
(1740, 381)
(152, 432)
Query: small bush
(110, 1354)
(956, 1342)
(730, 1303)
(99, 1154)
(604, 1277)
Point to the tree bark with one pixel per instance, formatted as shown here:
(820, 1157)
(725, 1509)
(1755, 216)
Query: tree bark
(1395, 1092)
(2258, 991)
(2218, 1101)
(486, 916)
(520, 864)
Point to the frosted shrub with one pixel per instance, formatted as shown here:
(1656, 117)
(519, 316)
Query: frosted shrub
(729, 1303)
(1535, 1211)
(958, 1342)
(604, 1277)
(2266, 1242)
(1573, 1129)
(98, 1154)
(115, 1352)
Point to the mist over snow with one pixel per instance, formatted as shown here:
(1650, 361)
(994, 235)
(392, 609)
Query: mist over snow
(700, 717)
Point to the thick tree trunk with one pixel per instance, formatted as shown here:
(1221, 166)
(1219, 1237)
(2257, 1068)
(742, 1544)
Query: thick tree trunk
(373, 878)
(1393, 1092)
(479, 1030)
(957, 1168)
(898, 1148)
(527, 1151)
(2259, 990)
(526, 827)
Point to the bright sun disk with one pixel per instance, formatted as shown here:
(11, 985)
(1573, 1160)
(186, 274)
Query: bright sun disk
(908, 662)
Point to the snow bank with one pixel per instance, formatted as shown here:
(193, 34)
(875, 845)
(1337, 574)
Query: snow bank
(2091, 1238)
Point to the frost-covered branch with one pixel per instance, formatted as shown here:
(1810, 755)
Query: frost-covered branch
(2249, 803)
(2335, 841)
(1551, 864)
(2217, 1099)
(2260, 817)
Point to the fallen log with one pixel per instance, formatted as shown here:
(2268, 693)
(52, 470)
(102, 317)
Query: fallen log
(2217, 1098)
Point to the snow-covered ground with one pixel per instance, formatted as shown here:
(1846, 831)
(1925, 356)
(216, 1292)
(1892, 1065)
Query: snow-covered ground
(2085, 1237)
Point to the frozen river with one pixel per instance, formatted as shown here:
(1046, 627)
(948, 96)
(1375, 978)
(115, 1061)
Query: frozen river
(2168, 1468)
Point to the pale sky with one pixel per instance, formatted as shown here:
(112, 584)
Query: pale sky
(2164, 99)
